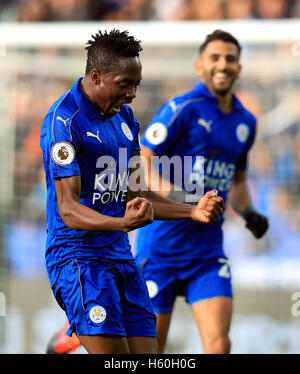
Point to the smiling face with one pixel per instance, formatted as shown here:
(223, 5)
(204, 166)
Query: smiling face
(219, 67)
(109, 91)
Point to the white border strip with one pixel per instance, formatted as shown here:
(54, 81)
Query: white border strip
(75, 34)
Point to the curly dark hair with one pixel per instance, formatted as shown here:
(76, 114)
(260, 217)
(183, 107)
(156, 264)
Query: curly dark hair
(220, 35)
(106, 49)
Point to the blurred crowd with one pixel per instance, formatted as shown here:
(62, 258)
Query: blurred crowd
(106, 10)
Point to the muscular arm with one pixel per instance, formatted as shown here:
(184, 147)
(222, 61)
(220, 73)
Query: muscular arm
(153, 178)
(240, 201)
(208, 209)
(239, 197)
(166, 209)
(80, 217)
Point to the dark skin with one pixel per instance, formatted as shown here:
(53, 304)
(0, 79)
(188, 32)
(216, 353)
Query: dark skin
(109, 91)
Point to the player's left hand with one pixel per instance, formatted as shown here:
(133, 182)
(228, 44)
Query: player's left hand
(209, 208)
(255, 222)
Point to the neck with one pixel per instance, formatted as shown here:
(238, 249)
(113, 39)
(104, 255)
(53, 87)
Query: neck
(225, 102)
(84, 86)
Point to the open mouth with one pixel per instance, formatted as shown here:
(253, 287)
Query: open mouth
(116, 109)
(221, 77)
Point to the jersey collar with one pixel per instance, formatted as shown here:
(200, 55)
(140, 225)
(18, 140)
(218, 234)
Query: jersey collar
(203, 91)
(84, 104)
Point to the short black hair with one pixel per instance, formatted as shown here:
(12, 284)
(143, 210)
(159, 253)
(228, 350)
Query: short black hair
(220, 35)
(106, 48)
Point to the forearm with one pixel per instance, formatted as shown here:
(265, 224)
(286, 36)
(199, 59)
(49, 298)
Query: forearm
(157, 191)
(80, 217)
(239, 198)
(166, 209)
(207, 210)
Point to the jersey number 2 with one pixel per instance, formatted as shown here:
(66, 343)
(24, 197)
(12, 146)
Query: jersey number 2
(224, 270)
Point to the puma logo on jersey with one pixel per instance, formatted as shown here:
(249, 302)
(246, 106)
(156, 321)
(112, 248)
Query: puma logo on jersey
(173, 105)
(94, 136)
(205, 124)
(64, 121)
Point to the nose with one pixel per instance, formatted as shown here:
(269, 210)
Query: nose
(131, 93)
(222, 63)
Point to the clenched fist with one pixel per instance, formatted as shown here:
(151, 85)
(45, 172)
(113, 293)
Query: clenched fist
(139, 213)
(209, 208)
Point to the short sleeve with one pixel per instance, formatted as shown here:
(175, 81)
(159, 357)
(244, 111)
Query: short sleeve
(164, 129)
(62, 148)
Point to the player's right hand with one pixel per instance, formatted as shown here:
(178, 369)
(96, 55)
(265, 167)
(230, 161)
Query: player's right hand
(209, 208)
(139, 213)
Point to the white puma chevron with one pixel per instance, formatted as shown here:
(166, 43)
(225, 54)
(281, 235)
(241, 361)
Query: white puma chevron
(205, 124)
(94, 136)
(63, 120)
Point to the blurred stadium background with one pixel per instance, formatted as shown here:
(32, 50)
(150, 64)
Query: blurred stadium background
(42, 54)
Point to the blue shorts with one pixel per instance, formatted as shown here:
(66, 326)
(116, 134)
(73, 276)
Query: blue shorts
(196, 280)
(103, 296)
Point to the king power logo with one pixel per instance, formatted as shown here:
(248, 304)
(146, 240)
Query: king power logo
(212, 173)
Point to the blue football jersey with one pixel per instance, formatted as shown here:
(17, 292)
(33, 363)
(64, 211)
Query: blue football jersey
(77, 140)
(192, 125)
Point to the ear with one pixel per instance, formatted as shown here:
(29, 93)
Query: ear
(96, 77)
(199, 67)
(240, 69)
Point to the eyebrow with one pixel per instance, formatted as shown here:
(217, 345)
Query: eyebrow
(129, 80)
(228, 55)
